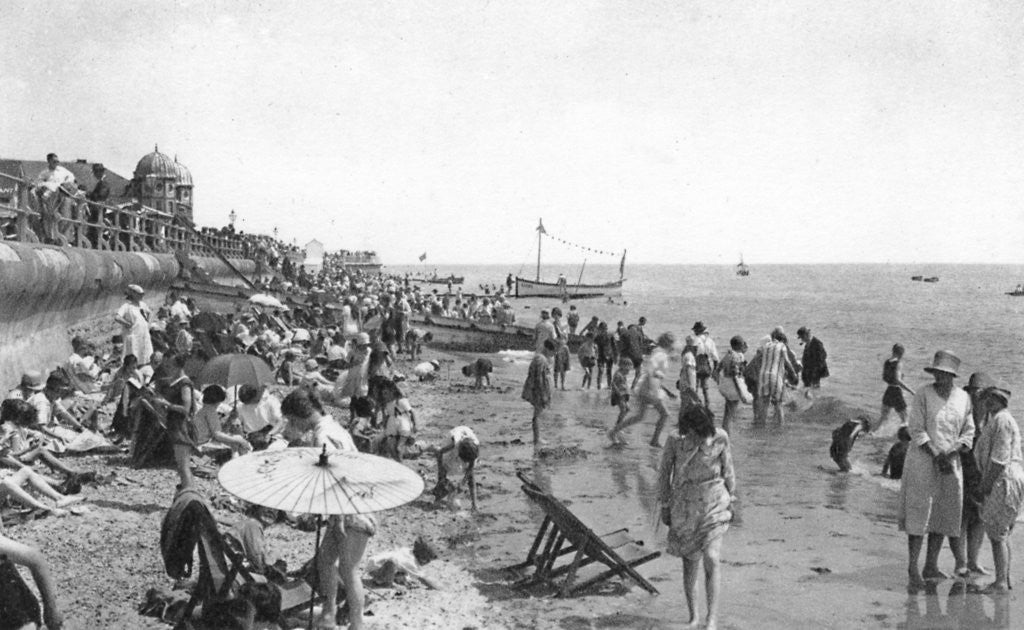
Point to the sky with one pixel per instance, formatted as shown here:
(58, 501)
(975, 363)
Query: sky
(683, 131)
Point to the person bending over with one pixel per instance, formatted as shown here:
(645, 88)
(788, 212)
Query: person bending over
(459, 454)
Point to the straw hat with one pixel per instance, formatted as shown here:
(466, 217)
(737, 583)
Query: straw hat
(999, 390)
(979, 381)
(362, 339)
(944, 361)
(33, 380)
(136, 289)
(311, 365)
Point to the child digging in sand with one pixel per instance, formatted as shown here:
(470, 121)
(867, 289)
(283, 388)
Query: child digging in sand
(459, 454)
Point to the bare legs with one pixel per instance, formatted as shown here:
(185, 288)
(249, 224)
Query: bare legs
(931, 561)
(12, 486)
(537, 409)
(183, 464)
(712, 581)
(339, 558)
(727, 415)
(626, 422)
(1001, 558)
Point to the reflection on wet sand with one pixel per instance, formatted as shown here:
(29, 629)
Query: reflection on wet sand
(818, 548)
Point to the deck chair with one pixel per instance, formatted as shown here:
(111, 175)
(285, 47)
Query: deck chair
(594, 558)
(222, 572)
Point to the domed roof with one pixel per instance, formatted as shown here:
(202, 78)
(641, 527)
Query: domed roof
(184, 176)
(156, 164)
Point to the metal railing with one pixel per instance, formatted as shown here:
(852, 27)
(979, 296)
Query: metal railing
(67, 218)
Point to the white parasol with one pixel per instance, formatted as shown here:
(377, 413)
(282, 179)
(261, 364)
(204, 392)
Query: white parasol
(309, 481)
(266, 300)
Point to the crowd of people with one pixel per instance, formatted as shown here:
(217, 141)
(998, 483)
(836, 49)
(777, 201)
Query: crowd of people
(958, 453)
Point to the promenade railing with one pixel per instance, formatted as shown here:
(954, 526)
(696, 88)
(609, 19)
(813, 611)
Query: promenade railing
(67, 218)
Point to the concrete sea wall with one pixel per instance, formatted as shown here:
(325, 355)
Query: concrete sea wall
(45, 290)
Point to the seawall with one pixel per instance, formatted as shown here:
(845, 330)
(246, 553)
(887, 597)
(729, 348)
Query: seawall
(45, 289)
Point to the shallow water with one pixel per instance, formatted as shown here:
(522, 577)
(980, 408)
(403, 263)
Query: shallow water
(810, 547)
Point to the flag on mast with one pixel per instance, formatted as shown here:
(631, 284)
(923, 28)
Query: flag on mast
(540, 227)
(423, 256)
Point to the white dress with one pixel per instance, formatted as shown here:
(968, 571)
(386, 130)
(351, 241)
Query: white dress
(136, 333)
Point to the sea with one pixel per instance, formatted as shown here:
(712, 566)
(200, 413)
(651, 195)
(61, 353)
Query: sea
(794, 506)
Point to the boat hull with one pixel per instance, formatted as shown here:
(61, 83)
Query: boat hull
(533, 288)
(463, 335)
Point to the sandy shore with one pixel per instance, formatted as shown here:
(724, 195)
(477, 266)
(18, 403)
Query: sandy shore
(809, 549)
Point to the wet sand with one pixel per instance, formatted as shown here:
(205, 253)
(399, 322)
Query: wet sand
(810, 547)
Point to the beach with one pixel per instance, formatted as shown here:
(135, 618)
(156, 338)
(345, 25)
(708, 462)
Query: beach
(809, 547)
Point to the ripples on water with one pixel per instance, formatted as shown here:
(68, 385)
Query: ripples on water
(858, 311)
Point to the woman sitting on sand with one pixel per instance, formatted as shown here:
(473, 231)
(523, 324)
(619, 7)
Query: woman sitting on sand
(20, 438)
(345, 537)
(696, 483)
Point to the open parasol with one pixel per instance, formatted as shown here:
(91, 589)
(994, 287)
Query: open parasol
(228, 370)
(266, 300)
(311, 481)
(308, 481)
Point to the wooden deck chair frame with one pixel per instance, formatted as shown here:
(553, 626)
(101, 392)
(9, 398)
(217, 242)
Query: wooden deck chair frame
(221, 566)
(562, 533)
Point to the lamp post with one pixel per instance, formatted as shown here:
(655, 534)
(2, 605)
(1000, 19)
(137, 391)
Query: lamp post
(232, 217)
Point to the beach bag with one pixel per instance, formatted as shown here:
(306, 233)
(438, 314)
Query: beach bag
(734, 389)
(18, 605)
(703, 366)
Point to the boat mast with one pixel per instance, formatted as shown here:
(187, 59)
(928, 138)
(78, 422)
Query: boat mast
(540, 233)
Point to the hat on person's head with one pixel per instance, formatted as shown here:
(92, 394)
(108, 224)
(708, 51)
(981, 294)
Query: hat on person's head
(699, 328)
(33, 379)
(944, 361)
(312, 365)
(999, 390)
(136, 289)
(803, 331)
(979, 381)
(362, 339)
(544, 314)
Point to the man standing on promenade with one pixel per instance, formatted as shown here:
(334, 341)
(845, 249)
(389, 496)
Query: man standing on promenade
(539, 384)
(543, 331)
(815, 366)
(47, 187)
(98, 195)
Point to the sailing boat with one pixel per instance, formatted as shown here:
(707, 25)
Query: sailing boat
(742, 269)
(563, 289)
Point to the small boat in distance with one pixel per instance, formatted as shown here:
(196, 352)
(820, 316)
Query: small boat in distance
(742, 269)
(932, 279)
(563, 288)
(435, 279)
(1018, 291)
(917, 278)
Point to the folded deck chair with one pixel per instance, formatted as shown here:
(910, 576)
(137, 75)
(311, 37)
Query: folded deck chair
(594, 558)
(189, 525)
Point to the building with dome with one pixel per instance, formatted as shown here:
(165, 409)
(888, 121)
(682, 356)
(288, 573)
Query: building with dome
(163, 183)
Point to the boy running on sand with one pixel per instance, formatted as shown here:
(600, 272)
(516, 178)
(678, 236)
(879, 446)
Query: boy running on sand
(620, 393)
